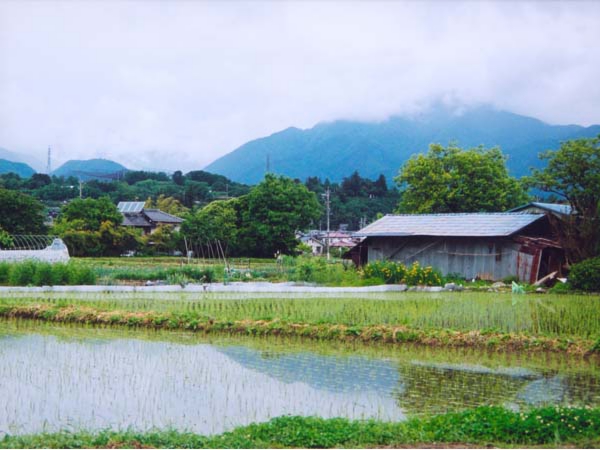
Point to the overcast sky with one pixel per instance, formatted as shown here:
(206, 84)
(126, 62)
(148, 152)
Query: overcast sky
(176, 84)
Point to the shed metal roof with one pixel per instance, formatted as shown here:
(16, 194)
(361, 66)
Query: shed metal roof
(551, 207)
(130, 207)
(450, 225)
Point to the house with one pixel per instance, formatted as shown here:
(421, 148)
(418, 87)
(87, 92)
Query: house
(489, 246)
(318, 240)
(148, 220)
(557, 209)
(315, 244)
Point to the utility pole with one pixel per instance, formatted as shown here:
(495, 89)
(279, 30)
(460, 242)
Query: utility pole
(80, 188)
(49, 165)
(328, 205)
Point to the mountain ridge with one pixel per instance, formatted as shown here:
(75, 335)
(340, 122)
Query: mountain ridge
(336, 149)
(20, 168)
(89, 168)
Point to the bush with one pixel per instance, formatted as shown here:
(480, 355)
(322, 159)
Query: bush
(78, 275)
(43, 275)
(4, 272)
(388, 271)
(37, 273)
(397, 273)
(309, 269)
(22, 274)
(585, 275)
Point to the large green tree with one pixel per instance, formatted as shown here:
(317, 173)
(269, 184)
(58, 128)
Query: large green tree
(20, 213)
(272, 212)
(450, 180)
(92, 227)
(217, 221)
(573, 174)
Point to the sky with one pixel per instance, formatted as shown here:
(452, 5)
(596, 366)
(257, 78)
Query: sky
(175, 84)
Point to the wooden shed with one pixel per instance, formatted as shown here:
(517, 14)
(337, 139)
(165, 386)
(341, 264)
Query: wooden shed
(489, 246)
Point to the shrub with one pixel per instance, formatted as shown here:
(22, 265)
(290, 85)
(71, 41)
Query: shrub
(43, 274)
(585, 275)
(396, 273)
(78, 275)
(309, 269)
(22, 274)
(4, 272)
(389, 271)
(60, 274)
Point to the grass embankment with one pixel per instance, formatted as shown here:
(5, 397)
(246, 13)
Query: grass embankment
(481, 426)
(554, 323)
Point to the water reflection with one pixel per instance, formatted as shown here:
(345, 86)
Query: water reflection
(49, 382)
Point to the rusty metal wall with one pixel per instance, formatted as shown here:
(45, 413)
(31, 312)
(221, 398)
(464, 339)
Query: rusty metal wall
(486, 258)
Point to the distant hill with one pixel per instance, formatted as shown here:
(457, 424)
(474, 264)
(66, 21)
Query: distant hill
(28, 159)
(102, 169)
(336, 149)
(19, 168)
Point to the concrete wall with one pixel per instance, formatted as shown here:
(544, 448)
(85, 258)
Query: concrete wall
(486, 258)
(54, 253)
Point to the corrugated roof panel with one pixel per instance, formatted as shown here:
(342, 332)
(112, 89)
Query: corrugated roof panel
(458, 225)
(130, 207)
(557, 208)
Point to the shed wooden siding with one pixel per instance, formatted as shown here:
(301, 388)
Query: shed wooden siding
(487, 258)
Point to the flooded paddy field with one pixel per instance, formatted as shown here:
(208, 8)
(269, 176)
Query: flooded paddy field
(60, 377)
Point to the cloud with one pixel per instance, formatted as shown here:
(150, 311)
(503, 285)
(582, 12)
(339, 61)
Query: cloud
(170, 85)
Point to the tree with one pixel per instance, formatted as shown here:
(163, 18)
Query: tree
(217, 221)
(272, 212)
(92, 227)
(573, 174)
(451, 180)
(89, 213)
(170, 205)
(21, 213)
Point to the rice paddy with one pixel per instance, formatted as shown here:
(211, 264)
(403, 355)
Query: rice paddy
(84, 378)
(564, 316)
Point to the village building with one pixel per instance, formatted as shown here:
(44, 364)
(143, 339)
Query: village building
(556, 209)
(489, 246)
(318, 240)
(148, 220)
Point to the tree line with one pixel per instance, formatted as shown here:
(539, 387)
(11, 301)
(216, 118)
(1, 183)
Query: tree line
(262, 220)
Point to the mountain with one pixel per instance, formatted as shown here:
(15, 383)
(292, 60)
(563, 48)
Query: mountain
(21, 158)
(103, 169)
(19, 168)
(336, 149)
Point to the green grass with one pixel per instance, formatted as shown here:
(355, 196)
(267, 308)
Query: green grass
(561, 316)
(480, 426)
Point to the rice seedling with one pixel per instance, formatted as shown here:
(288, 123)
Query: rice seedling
(81, 378)
(559, 316)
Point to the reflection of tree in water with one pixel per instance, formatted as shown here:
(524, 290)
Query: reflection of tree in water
(573, 389)
(437, 389)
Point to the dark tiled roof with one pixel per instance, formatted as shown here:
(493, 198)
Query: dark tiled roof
(156, 215)
(459, 225)
(135, 220)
